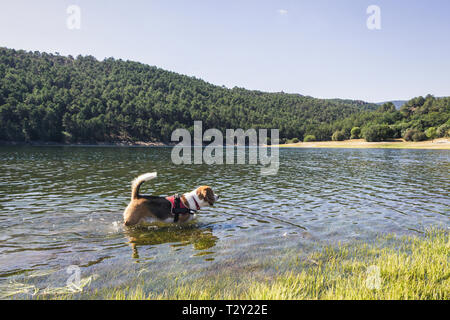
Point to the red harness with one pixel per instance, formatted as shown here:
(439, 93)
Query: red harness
(178, 206)
(172, 202)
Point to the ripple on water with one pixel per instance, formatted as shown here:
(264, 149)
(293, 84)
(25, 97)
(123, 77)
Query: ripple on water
(66, 208)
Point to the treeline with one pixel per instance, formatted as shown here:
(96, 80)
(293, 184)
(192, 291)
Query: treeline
(419, 119)
(48, 97)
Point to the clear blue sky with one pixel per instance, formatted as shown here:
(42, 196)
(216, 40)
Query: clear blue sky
(317, 47)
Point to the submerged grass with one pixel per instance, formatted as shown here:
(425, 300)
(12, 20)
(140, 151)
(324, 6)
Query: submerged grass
(391, 268)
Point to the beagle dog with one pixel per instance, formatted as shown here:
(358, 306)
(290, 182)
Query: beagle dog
(176, 209)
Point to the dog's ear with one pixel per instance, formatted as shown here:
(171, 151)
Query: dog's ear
(206, 193)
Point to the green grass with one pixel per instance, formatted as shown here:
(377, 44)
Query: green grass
(390, 268)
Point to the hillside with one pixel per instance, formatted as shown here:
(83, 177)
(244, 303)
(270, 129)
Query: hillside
(47, 97)
(397, 103)
(419, 119)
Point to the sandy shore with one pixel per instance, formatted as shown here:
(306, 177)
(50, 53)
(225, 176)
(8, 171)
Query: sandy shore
(438, 144)
(442, 143)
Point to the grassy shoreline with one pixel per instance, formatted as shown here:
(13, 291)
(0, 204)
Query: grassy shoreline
(438, 144)
(390, 268)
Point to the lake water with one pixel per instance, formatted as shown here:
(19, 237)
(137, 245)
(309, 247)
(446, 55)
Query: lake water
(62, 207)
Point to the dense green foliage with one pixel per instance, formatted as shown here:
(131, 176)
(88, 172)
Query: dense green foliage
(355, 133)
(414, 135)
(414, 118)
(339, 136)
(309, 138)
(54, 98)
(377, 132)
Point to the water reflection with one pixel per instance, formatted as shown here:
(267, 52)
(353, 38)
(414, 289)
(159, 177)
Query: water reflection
(156, 234)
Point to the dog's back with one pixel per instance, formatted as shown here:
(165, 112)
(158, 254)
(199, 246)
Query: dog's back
(141, 207)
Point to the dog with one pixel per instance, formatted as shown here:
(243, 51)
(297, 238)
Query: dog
(175, 209)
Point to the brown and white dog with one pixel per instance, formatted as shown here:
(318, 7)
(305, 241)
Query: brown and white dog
(153, 208)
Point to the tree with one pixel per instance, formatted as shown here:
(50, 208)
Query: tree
(338, 136)
(419, 136)
(443, 130)
(414, 135)
(355, 133)
(309, 138)
(431, 133)
(387, 107)
(375, 133)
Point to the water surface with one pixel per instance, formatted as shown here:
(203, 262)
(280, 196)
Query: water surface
(62, 206)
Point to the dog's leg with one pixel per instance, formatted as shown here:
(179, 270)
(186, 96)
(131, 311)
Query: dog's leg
(132, 220)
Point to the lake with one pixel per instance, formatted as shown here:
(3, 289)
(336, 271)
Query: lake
(62, 207)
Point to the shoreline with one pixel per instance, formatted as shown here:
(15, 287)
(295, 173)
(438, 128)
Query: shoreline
(437, 144)
(85, 144)
(391, 267)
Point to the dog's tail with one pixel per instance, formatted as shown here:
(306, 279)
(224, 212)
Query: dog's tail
(138, 181)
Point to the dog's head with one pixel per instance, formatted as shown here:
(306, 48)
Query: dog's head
(206, 196)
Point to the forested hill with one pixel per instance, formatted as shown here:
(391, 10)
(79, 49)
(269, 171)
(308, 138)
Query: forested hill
(49, 97)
